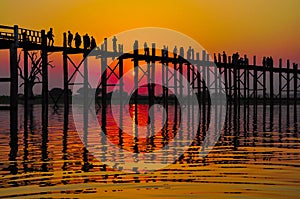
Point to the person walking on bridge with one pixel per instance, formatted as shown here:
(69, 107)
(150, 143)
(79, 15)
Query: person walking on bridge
(114, 40)
(77, 40)
(70, 39)
(50, 37)
(86, 41)
(93, 43)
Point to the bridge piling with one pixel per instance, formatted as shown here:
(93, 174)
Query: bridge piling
(44, 79)
(14, 82)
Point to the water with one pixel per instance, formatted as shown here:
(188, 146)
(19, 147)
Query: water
(257, 156)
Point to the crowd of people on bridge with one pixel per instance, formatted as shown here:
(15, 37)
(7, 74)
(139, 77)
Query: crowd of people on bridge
(88, 42)
(237, 60)
(267, 62)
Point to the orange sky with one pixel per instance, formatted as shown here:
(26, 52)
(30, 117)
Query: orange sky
(254, 27)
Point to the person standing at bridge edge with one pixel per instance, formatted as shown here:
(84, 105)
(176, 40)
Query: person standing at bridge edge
(50, 37)
(70, 39)
(77, 40)
(114, 40)
(86, 41)
(93, 43)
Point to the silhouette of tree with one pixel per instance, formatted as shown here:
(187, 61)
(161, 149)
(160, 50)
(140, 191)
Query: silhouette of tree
(34, 71)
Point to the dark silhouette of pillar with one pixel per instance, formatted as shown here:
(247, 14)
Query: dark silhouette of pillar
(280, 82)
(136, 80)
(14, 82)
(66, 75)
(153, 73)
(104, 84)
(288, 89)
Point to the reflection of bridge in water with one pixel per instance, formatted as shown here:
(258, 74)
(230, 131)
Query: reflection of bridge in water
(243, 84)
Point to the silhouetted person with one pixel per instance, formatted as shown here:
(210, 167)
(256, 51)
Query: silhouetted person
(165, 51)
(188, 53)
(246, 60)
(215, 58)
(50, 37)
(93, 43)
(235, 58)
(264, 61)
(241, 61)
(136, 45)
(175, 51)
(70, 39)
(269, 62)
(86, 41)
(219, 57)
(193, 54)
(120, 48)
(146, 49)
(114, 40)
(181, 52)
(224, 57)
(77, 40)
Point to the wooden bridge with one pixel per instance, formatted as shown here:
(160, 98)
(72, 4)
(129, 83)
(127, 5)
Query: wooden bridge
(242, 82)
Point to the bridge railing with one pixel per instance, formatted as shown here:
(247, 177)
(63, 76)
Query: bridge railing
(6, 32)
(32, 36)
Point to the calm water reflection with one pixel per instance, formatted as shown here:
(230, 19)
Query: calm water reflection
(257, 155)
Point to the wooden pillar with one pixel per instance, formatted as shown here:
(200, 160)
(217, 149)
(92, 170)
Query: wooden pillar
(271, 85)
(86, 96)
(104, 84)
(14, 84)
(198, 79)
(238, 80)
(295, 67)
(153, 73)
(175, 82)
(288, 83)
(121, 68)
(245, 98)
(66, 75)
(245, 85)
(136, 80)
(180, 77)
(288, 93)
(216, 78)
(255, 80)
(166, 65)
(204, 83)
(188, 80)
(264, 86)
(230, 83)
(248, 87)
(44, 79)
(225, 68)
(207, 81)
(271, 79)
(235, 85)
(25, 80)
(264, 98)
(280, 82)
